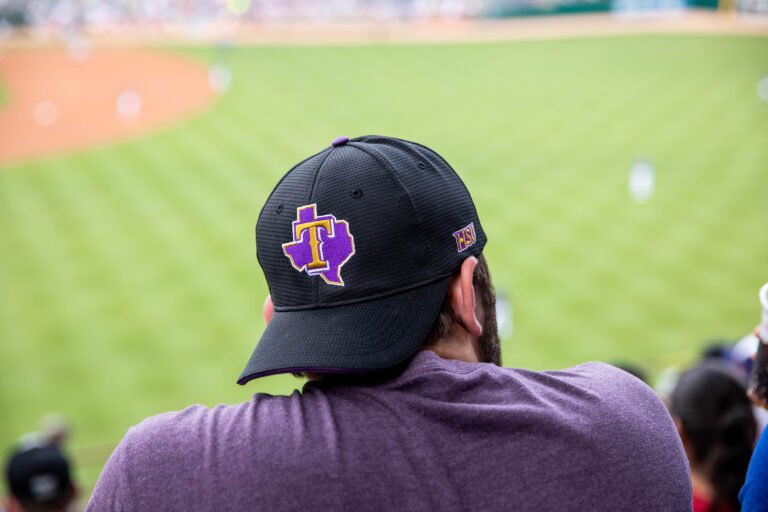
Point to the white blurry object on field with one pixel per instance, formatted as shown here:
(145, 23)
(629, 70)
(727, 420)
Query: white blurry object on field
(642, 181)
(220, 78)
(79, 47)
(45, 113)
(762, 89)
(128, 105)
(504, 319)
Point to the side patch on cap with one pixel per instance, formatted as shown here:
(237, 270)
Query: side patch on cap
(465, 237)
(321, 245)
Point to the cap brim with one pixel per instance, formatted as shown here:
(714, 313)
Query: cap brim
(354, 338)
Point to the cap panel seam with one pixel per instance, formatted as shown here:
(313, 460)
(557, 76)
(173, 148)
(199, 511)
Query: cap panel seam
(440, 157)
(449, 166)
(309, 201)
(382, 160)
(317, 174)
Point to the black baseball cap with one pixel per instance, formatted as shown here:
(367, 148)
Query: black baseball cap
(358, 243)
(39, 474)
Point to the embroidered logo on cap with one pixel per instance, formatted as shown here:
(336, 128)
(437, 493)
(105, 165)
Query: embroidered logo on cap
(321, 245)
(465, 237)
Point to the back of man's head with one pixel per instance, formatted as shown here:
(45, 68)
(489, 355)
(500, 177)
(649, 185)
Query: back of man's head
(39, 479)
(367, 248)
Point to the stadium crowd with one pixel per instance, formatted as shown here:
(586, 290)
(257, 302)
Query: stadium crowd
(103, 15)
(406, 405)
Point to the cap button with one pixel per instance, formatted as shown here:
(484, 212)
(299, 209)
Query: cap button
(339, 141)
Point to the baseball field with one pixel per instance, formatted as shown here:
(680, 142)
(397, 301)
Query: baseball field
(128, 279)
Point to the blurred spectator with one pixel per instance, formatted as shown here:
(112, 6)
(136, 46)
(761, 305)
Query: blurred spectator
(753, 495)
(717, 426)
(38, 479)
(734, 355)
(737, 357)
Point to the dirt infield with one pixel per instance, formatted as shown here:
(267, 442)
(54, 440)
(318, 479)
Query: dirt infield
(57, 103)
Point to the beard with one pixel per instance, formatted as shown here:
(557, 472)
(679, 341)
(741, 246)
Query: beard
(488, 342)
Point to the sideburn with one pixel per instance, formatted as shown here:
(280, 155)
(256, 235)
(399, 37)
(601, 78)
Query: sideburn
(489, 344)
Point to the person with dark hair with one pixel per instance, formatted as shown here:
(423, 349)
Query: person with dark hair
(382, 297)
(38, 479)
(717, 426)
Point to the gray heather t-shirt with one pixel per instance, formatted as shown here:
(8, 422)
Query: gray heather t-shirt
(441, 436)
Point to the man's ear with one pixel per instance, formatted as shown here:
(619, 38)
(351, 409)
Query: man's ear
(269, 309)
(463, 299)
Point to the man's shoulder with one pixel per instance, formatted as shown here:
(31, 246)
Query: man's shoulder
(612, 392)
(610, 378)
(169, 424)
(165, 437)
(592, 387)
(596, 371)
(585, 396)
(187, 418)
(181, 434)
(598, 383)
(626, 414)
(198, 447)
(605, 403)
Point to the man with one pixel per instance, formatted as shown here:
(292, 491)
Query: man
(38, 479)
(372, 250)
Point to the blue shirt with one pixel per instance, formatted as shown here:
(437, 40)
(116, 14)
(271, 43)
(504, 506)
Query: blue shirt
(754, 494)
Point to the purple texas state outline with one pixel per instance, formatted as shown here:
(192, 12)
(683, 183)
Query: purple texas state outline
(321, 244)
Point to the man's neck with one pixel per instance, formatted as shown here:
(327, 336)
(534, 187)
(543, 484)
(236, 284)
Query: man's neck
(459, 349)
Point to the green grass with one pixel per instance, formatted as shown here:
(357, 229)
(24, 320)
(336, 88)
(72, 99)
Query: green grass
(128, 280)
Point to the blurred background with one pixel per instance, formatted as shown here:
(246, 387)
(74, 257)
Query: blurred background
(617, 151)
